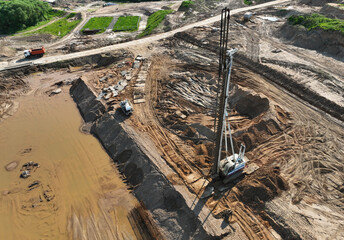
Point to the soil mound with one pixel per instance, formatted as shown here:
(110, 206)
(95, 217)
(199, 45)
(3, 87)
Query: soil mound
(96, 60)
(90, 108)
(248, 104)
(254, 118)
(333, 10)
(328, 42)
(263, 185)
(39, 38)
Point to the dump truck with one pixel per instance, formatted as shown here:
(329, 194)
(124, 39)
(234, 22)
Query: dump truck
(34, 52)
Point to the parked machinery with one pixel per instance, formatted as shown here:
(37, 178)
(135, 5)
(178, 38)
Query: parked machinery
(232, 165)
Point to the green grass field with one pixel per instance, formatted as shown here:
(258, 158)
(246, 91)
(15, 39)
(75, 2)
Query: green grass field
(98, 23)
(127, 23)
(154, 20)
(61, 27)
(52, 14)
(317, 21)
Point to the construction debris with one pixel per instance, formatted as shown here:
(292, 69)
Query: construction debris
(30, 166)
(139, 87)
(25, 174)
(33, 185)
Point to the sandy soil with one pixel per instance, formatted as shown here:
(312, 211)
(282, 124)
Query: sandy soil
(305, 142)
(80, 194)
(280, 131)
(298, 191)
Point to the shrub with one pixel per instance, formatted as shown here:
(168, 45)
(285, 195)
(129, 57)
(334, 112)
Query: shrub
(317, 21)
(186, 4)
(71, 15)
(248, 2)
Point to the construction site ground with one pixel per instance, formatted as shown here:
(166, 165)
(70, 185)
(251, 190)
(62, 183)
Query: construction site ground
(297, 192)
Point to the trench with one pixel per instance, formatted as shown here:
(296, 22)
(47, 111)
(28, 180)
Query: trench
(80, 194)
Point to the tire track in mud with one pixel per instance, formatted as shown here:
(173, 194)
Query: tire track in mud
(165, 203)
(178, 159)
(310, 184)
(294, 138)
(278, 78)
(248, 222)
(291, 155)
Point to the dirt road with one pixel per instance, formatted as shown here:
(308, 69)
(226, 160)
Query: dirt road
(148, 40)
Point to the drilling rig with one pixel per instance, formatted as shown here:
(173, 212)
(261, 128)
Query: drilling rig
(226, 166)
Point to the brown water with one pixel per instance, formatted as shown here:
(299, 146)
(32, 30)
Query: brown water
(89, 199)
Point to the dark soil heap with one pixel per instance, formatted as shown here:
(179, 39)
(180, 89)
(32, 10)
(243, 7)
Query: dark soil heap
(263, 185)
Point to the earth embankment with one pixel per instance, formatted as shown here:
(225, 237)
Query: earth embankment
(166, 205)
(324, 41)
(278, 78)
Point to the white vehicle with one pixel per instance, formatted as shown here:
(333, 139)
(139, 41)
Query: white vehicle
(25, 174)
(232, 167)
(126, 107)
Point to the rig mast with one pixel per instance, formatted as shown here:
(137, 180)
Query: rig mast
(234, 163)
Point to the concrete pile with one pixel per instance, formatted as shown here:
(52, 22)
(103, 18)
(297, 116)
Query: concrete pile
(114, 90)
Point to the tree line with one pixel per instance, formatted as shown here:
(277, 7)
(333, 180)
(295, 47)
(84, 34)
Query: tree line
(19, 14)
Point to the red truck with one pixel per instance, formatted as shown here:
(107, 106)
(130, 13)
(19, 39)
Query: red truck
(34, 52)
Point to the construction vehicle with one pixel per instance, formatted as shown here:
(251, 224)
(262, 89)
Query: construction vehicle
(39, 52)
(232, 165)
(126, 107)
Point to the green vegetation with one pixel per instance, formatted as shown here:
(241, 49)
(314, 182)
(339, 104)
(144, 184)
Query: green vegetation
(16, 15)
(186, 4)
(127, 23)
(154, 20)
(55, 13)
(98, 23)
(61, 27)
(129, 1)
(248, 2)
(52, 14)
(71, 15)
(317, 21)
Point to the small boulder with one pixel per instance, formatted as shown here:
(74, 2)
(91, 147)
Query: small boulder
(56, 91)
(11, 166)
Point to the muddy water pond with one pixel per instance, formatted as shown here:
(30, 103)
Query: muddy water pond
(76, 193)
